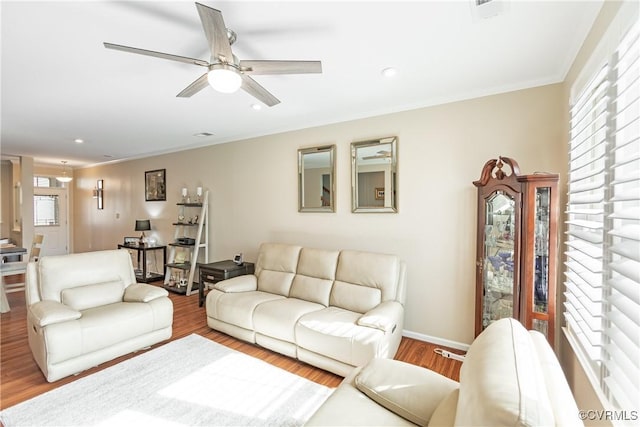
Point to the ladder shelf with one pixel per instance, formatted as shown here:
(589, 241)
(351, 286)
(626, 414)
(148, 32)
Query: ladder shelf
(190, 242)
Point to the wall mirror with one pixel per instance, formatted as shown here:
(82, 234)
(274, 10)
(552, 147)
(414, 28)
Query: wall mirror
(316, 179)
(374, 175)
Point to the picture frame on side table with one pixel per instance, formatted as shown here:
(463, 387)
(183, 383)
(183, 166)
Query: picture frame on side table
(155, 185)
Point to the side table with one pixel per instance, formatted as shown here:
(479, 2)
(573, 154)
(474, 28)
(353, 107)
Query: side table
(217, 271)
(143, 276)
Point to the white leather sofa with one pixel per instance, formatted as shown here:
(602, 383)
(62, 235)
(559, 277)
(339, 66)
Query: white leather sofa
(332, 309)
(510, 377)
(85, 309)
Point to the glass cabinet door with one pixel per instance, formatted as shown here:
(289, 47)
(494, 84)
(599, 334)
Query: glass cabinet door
(540, 265)
(499, 282)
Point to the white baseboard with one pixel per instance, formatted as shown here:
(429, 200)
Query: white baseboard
(436, 340)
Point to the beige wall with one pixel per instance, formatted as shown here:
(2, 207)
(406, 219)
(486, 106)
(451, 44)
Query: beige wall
(253, 186)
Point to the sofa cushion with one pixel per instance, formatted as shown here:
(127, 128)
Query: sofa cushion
(277, 318)
(511, 392)
(95, 295)
(236, 308)
(347, 406)
(56, 273)
(277, 257)
(314, 276)
(45, 313)
(333, 332)
(141, 292)
(373, 270)
(276, 267)
(275, 282)
(408, 390)
(357, 298)
(445, 413)
(564, 406)
(98, 328)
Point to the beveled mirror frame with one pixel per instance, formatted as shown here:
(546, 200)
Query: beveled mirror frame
(389, 192)
(308, 153)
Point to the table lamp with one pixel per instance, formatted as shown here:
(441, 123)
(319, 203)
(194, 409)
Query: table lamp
(143, 225)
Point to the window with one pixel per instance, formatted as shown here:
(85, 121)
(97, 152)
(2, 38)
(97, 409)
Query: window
(46, 210)
(45, 181)
(602, 274)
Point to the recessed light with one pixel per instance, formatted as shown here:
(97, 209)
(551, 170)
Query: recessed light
(78, 141)
(256, 107)
(202, 134)
(389, 72)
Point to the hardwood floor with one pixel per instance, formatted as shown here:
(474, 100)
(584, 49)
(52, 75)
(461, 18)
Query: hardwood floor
(21, 379)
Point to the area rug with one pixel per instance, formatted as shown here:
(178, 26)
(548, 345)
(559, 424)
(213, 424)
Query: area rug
(192, 381)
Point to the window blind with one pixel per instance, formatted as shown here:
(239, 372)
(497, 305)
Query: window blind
(602, 269)
(622, 326)
(585, 213)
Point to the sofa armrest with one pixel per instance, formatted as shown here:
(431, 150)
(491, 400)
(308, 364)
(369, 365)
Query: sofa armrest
(141, 292)
(48, 312)
(384, 316)
(245, 283)
(408, 390)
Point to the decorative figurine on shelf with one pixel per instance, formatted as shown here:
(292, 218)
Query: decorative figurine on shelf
(198, 195)
(180, 219)
(185, 196)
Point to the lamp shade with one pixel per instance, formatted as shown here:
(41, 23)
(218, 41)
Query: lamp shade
(224, 79)
(64, 177)
(143, 225)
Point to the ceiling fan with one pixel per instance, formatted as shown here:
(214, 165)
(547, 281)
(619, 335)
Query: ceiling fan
(225, 73)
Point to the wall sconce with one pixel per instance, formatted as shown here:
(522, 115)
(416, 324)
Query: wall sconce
(98, 193)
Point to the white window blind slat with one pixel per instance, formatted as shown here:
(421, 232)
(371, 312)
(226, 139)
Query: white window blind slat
(584, 323)
(584, 211)
(620, 385)
(627, 249)
(626, 307)
(585, 261)
(593, 251)
(593, 280)
(627, 287)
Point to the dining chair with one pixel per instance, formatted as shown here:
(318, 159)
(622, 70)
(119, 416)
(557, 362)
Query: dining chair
(15, 268)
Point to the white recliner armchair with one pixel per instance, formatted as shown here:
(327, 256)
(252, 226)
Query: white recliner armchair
(510, 377)
(85, 309)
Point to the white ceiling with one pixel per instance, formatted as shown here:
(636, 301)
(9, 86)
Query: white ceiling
(59, 83)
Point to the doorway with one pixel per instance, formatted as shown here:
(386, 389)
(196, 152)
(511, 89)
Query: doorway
(50, 218)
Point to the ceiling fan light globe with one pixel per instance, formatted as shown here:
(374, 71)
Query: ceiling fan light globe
(224, 80)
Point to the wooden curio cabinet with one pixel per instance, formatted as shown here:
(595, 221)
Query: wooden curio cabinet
(516, 247)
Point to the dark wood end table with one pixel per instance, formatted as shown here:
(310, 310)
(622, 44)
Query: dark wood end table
(218, 271)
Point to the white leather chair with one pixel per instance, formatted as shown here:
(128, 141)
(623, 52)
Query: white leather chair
(85, 309)
(15, 268)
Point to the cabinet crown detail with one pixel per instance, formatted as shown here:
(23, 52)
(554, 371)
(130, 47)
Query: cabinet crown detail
(497, 165)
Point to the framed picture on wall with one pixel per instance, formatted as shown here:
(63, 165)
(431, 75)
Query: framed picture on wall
(155, 185)
(379, 193)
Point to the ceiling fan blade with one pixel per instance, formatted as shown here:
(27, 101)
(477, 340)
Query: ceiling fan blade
(254, 89)
(281, 67)
(169, 56)
(216, 33)
(195, 87)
